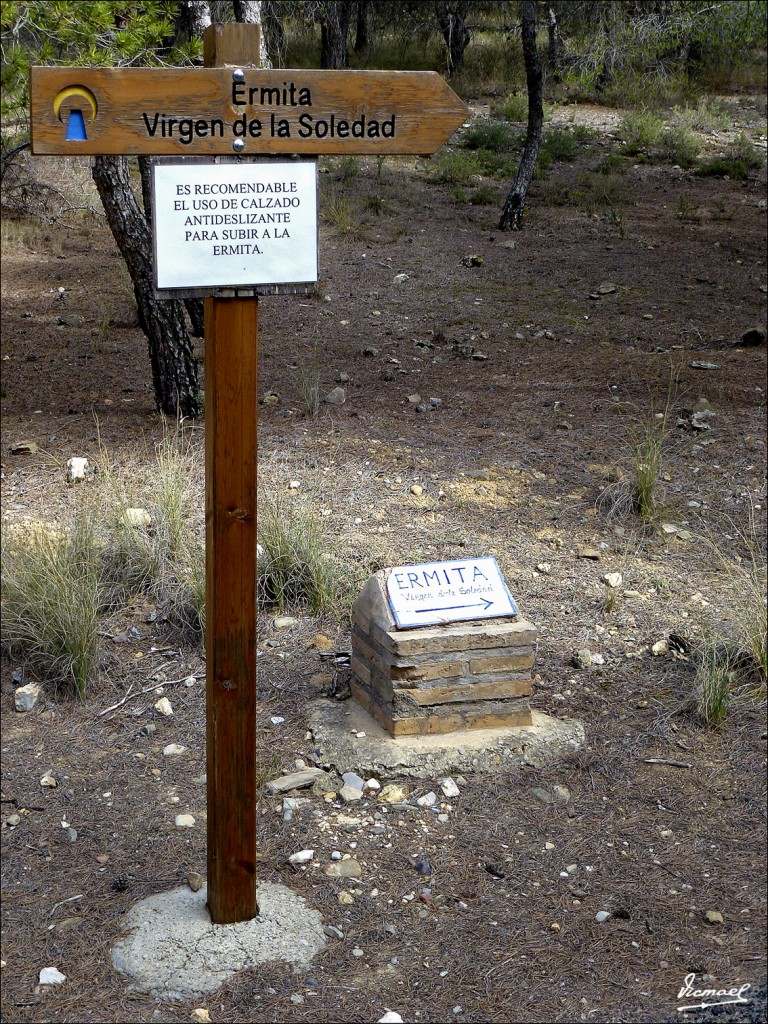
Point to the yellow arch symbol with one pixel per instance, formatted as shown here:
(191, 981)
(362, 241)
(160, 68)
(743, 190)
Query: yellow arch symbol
(80, 92)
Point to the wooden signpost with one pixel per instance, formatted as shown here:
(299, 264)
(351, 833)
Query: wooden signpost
(226, 108)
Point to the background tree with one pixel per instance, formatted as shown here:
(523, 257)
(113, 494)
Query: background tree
(99, 34)
(452, 18)
(512, 211)
(334, 17)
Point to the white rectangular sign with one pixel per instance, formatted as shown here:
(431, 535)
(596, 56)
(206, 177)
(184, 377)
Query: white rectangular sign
(441, 592)
(235, 225)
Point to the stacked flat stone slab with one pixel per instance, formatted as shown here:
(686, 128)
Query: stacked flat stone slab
(464, 675)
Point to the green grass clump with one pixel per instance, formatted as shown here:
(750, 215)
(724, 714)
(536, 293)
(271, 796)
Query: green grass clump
(165, 557)
(341, 214)
(496, 136)
(52, 594)
(713, 683)
(641, 131)
(709, 115)
(296, 566)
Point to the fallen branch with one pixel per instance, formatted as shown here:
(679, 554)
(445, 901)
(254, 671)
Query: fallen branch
(148, 689)
(664, 760)
(61, 903)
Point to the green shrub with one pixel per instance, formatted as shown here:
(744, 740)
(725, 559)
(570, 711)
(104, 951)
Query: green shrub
(640, 131)
(560, 144)
(680, 146)
(512, 108)
(612, 163)
(454, 167)
(485, 195)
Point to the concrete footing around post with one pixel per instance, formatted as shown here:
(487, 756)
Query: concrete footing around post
(172, 950)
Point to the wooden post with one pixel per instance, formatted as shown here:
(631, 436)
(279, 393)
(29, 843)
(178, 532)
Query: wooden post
(231, 397)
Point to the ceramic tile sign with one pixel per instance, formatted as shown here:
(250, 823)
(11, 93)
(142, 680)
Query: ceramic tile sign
(235, 224)
(442, 592)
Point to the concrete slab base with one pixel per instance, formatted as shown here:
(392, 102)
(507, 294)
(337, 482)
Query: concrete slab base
(173, 951)
(335, 725)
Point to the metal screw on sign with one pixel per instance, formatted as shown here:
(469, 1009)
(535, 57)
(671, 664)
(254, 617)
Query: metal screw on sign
(238, 145)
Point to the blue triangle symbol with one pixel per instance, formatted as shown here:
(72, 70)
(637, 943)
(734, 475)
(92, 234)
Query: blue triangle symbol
(75, 127)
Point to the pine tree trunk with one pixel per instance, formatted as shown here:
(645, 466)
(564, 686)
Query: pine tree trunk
(362, 34)
(555, 51)
(334, 25)
(512, 211)
(452, 17)
(174, 367)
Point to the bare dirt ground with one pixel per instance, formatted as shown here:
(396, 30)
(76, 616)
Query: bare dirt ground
(512, 463)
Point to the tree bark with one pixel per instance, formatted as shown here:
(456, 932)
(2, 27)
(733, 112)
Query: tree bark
(274, 33)
(512, 211)
(334, 25)
(248, 12)
(555, 51)
(451, 18)
(174, 367)
(193, 19)
(362, 33)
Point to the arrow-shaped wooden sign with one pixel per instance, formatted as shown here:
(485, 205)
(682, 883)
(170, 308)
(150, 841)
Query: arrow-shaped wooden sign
(208, 111)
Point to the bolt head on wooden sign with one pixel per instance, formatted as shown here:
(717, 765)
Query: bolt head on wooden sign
(235, 224)
(207, 111)
(441, 592)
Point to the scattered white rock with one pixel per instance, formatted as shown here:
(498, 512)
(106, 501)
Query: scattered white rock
(184, 821)
(353, 779)
(598, 659)
(417, 490)
(357, 952)
(77, 470)
(613, 579)
(372, 784)
(201, 1015)
(660, 647)
(401, 278)
(544, 568)
(348, 794)
(137, 518)
(25, 698)
(281, 622)
(602, 915)
(295, 780)
(173, 748)
(390, 1017)
(48, 781)
(276, 719)
(164, 707)
(52, 976)
(428, 800)
(449, 787)
(302, 857)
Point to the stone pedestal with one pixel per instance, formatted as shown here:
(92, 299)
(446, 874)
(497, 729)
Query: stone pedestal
(439, 679)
